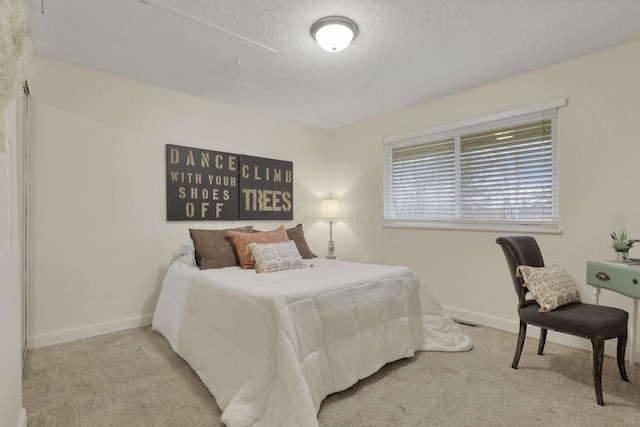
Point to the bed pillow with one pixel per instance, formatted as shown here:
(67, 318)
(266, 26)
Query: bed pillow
(241, 242)
(186, 254)
(271, 257)
(551, 286)
(297, 235)
(214, 248)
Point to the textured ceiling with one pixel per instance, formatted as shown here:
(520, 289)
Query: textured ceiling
(259, 53)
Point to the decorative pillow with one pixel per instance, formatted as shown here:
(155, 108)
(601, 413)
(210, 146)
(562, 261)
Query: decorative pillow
(214, 248)
(550, 286)
(297, 235)
(271, 257)
(186, 254)
(241, 242)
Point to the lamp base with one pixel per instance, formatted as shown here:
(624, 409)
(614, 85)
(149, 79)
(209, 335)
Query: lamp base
(331, 248)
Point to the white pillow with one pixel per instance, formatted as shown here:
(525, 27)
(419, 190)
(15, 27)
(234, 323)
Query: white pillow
(186, 254)
(550, 286)
(271, 257)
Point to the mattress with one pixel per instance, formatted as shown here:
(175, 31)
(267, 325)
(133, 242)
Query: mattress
(270, 347)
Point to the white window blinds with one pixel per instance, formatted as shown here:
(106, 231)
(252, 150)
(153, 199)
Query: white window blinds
(424, 180)
(500, 172)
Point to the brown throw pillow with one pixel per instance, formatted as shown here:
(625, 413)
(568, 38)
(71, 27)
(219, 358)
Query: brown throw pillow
(297, 235)
(214, 248)
(241, 242)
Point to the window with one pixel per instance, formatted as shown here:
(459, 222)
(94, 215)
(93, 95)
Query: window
(492, 173)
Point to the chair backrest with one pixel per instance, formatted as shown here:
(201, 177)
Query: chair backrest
(520, 250)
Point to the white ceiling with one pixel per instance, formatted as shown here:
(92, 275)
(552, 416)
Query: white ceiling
(259, 53)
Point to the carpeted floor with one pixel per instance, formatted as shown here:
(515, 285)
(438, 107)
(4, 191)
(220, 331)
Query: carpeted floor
(133, 378)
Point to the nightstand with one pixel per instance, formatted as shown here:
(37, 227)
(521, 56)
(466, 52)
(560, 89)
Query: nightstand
(621, 278)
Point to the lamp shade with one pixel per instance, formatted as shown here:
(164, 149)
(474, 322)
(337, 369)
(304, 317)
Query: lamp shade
(329, 208)
(334, 33)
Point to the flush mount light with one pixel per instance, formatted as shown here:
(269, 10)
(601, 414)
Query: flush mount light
(334, 33)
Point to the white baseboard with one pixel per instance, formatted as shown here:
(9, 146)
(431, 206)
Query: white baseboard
(66, 335)
(476, 318)
(22, 421)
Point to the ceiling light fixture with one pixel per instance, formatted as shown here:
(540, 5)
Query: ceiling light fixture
(334, 33)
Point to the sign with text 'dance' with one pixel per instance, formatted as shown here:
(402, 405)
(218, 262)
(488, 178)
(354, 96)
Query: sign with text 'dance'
(202, 185)
(206, 185)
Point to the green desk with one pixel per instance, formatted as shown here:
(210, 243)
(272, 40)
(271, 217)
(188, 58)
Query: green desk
(620, 278)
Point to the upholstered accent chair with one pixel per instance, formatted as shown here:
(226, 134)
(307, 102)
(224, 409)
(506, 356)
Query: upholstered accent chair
(594, 322)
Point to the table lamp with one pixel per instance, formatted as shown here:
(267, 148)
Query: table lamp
(329, 210)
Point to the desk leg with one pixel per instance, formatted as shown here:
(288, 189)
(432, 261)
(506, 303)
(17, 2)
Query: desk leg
(632, 331)
(596, 295)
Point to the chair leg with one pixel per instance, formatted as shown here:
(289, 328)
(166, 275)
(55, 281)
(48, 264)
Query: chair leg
(597, 342)
(521, 336)
(622, 346)
(543, 340)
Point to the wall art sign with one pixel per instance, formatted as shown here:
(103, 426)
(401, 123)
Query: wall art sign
(202, 185)
(205, 185)
(266, 189)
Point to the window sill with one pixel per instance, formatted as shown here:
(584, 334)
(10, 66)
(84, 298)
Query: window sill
(503, 228)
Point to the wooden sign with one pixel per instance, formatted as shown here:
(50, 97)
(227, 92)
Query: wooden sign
(202, 185)
(266, 189)
(205, 185)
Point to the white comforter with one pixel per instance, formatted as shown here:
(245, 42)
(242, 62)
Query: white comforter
(271, 346)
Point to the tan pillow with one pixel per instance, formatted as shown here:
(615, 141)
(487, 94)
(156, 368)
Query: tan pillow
(271, 257)
(550, 286)
(241, 242)
(214, 248)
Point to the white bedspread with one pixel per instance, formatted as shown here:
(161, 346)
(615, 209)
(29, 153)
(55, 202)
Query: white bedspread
(271, 346)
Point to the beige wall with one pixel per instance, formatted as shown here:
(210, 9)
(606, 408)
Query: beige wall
(599, 177)
(100, 241)
(101, 244)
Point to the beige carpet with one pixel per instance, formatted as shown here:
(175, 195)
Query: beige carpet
(133, 378)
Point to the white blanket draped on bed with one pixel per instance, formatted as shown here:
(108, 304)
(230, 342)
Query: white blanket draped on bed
(271, 346)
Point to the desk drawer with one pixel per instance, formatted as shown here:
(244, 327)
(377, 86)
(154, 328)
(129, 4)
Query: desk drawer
(621, 278)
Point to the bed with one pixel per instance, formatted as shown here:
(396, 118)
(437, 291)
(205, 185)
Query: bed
(270, 347)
